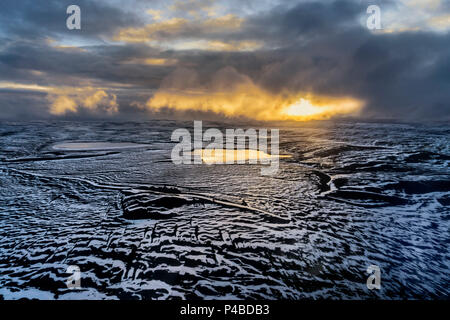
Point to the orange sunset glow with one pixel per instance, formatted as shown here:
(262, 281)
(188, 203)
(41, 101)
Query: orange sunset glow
(254, 103)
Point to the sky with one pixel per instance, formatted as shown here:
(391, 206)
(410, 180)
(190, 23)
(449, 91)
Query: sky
(210, 59)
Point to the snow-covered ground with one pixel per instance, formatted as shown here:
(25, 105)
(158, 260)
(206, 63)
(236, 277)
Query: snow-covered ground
(350, 195)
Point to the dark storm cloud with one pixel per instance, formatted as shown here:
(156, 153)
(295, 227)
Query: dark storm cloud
(30, 19)
(322, 49)
(312, 46)
(104, 63)
(304, 21)
(402, 75)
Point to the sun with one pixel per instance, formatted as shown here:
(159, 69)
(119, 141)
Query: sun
(302, 108)
(317, 108)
